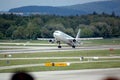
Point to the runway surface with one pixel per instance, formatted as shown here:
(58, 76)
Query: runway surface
(33, 49)
(88, 74)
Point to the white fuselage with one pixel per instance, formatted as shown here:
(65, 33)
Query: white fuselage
(61, 36)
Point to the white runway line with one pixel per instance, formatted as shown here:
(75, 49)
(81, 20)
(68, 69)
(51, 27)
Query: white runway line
(58, 58)
(20, 66)
(32, 49)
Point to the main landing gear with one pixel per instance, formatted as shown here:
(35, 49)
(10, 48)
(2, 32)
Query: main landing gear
(59, 46)
(73, 46)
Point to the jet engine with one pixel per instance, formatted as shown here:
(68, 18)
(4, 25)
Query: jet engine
(51, 41)
(74, 40)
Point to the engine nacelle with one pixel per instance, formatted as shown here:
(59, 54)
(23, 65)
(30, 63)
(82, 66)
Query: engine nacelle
(51, 41)
(74, 40)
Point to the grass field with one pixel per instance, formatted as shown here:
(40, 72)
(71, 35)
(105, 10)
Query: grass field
(115, 41)
(52, 55)
(94, 65)
(40, 61)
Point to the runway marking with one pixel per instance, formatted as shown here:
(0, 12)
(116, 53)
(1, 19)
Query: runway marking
(28, 49)
(57, 58)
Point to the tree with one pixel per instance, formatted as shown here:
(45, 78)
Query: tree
(31, 27)
(10, 31)
(19, 33)
(86, 30)
(113, 14)
(70, 31)
(94, 13)
(31, 31)
(1, 35)
(102, 29)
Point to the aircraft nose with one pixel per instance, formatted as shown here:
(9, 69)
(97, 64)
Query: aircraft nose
(55, 34)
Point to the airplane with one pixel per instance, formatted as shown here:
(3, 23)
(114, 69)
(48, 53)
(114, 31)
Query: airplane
(65, 38)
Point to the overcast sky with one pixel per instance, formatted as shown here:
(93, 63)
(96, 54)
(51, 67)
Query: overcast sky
(5, 5)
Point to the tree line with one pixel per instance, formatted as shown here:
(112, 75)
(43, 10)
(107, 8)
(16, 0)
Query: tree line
(42, 26)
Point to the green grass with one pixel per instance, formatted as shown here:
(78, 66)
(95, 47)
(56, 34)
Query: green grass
(114, 41)
(9, 48)
(39, 61)
(33, 61)
(75, 66)
(94, 65)
(24, 41)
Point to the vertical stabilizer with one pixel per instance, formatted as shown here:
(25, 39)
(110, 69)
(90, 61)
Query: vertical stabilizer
(78, 34)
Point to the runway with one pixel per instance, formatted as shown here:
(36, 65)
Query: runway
(88, 74)
(34, 49)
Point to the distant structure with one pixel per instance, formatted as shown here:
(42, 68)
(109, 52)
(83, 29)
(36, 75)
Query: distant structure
(15, 13)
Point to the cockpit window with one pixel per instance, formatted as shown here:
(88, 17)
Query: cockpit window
(57, 31)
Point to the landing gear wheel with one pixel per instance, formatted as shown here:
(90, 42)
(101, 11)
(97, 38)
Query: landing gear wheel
(59, 46)
(73, 46)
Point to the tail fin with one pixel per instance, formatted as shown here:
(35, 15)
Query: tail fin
(78, 34)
